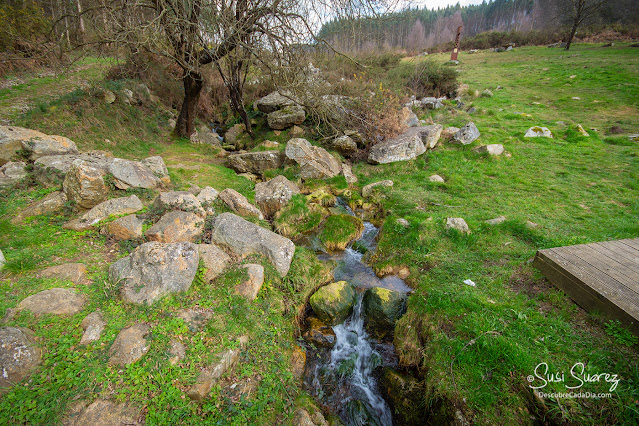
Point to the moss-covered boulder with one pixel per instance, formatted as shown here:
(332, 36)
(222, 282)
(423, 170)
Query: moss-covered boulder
(333, 303)
(406, 395)
(382, 308)
(339, 230)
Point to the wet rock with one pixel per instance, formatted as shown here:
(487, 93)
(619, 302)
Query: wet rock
(179, 200)
(12, 172)
(466, 135)
(244, 238)
(255, 162)
(126, 228)
(93, 326)
(286, 117)
(494, 149)
(436, 178)
(347, 171)
(457, 223)
(239, 203)
(84, 184)
(154, 270)
(405, 395)
(51, 203)
(431, 135)
(382, 308)
(407, 146)
(207, 378)
(214, 259)
(130, 345)
(176, 226)
(106, 413)
(102, 211)
(537, 132)
(56, 301)
(251, 287)
(319, 334)
(496, 221)
(273, 195)
(177, 351)
(74, 272)
(314, 162)
(274, 101)
(19, 355)
(358, 413)
(157, 166)
(345, 145)
(133, 174)
(333, 303)
(368, 189)
(407, 118)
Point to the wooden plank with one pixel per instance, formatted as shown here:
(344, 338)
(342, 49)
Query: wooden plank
(624, 251)
(608, 266)
(634, 243)
(630, 267)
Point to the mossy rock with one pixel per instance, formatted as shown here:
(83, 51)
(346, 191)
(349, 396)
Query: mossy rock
(333, 303)
(382, 308)
(298, 218)
(339, 230)
(406, 395)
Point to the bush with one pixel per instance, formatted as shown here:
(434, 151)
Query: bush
(426, 78)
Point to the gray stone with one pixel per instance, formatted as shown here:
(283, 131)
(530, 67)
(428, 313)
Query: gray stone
(457, 223)
(347, 171)
(407, 146)
(314, 162)
(133, 174)
(206, 197)
(466, 135)
(368, 189)
(84, 184)
(538, 132)
(239, 203)
(345, 145)
(492, 149)
(179, 200)
(274, 101)
(496, 221)
(206, 137)
(244, 238)
(74, 272)
(105, 413)
(108, 97)
(255, 162)
(157, 166)
(273, 195)
(12, 172)
(126, 228)
(286, 117)
(431, 135)
(154, 270)
(214, 259)
(37, 144)
(56, 301)
(436, 178)
(432, 103)
(104, 210)
(195, 318)
(19, 356)
(252, 285)
(176, 226)
(403, 222)
(407, 118)
(449, 132)
(333, 303)
(49, 204)
(93, 326)
(177, 351)
(233, 134)
(52, 169)
(130, 345)
(382, 308)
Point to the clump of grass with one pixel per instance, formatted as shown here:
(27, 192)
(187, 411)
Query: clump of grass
(298, 218)
(339, 230)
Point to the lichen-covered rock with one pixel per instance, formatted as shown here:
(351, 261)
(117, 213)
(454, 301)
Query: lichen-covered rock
(496, 221)
(494, 149)
(244, 238)
(130, 345)
(255, 162)
(52, 169)
(466, 135)
(157, 166)
(84, 184)
(233, 134)
(19, 355)
(179, 200)
(345, 145)
(12, 172)
(449, 132)
(176, 226)
(538, 132)
(207, 196)
(333, 303)
(286, 117)
(436, 178)
(274, 194)
(252, 285)
(34, 143)
(126, 228)
(368, 189)
(133, 174)
(74, 272)
(49, 204)
(319, 334)
(457, 223)
(431, 135)
(154, 270)
(93, 326)
(407, 146)
(56, 301)
(239, 203)
(314, 162)
(214, 259)
(382, 308)
(112, 207)
(274, 101)
(348, 174)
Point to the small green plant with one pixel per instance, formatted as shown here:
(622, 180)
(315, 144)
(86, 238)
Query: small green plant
(622, 335)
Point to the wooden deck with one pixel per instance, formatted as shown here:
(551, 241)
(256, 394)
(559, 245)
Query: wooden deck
(602, 277)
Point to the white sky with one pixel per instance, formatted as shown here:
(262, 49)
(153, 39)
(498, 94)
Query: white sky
(434, 4)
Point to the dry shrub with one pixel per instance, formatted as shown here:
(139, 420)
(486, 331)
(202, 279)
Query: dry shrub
(28, 57)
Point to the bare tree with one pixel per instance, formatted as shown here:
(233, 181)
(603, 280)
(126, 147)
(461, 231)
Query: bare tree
(578, 11)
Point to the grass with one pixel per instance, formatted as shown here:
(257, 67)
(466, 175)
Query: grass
(339, 230)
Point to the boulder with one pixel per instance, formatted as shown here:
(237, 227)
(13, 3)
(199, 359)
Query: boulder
(466, 135)
(274, 101)
(319, 334)
(74, 272)
(286, 117)
(494, 149)
(255, 162)
(154, 270)
(233, 134)
(179, 200)
(10, 144)
(457, 223)
(214, 260)
(12, 172)
(205, 136)
(176, 226)
(345, 145)
(34, 143)
(496, 221)
(296, 132)
(431, 135)
(56, 301)
(206, 197)
(106, 413)
(314, 162)
(368, 189)
(130, 345)
(274, 194)
(449, 132)
(406, 146)
(93, 326)
(432, 103)
(239, 203)
(126, 228)
(51, 170)
(333, 303)
(49, 204)
(407, 118)
(84, 184)
(252, 285)
(538, 132)
(436, 178)
(19, 355)
(347, 171)
(133, 174)
(104, 210)
(157, 166)
(382, 308)
(244, 238)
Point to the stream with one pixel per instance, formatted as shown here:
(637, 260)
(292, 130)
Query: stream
(343, 378)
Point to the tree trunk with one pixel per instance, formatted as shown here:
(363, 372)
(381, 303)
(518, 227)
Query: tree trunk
(81, 30)
(573, 30)
(193, 83)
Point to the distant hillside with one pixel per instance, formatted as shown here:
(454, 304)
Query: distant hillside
(418, 29)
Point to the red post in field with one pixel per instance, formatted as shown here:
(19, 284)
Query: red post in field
(453, 56)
